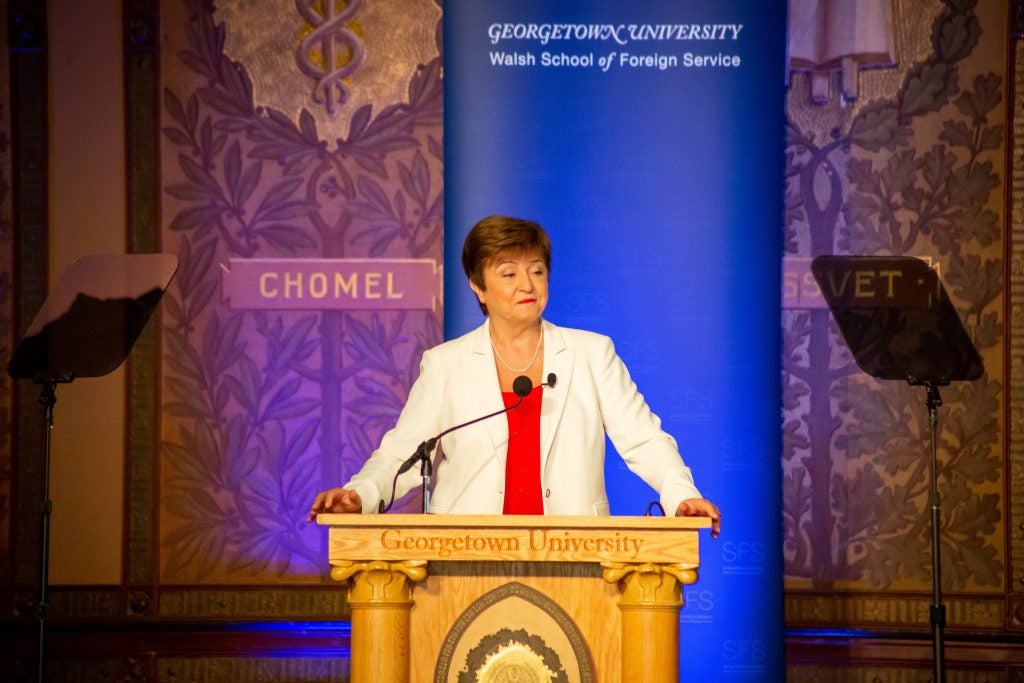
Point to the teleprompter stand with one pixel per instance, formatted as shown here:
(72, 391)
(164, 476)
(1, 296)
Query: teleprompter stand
(85, 328)
(899, 324)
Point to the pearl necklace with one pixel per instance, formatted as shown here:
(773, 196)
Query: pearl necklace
(536, 352)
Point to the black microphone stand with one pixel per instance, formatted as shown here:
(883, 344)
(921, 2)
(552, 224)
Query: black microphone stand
(425, 454)
(937, 610)
(47, 398)
(522, 386)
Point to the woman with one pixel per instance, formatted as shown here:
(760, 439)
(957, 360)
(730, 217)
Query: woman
(546, 456)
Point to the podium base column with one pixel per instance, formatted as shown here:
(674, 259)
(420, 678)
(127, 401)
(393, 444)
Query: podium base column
(380, 595)
(650, 598)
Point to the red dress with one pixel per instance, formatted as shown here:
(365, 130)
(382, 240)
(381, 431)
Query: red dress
(522, 463)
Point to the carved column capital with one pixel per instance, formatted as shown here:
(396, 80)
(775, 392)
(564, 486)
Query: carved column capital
(648, 584)
(379, 582)
(380, 595)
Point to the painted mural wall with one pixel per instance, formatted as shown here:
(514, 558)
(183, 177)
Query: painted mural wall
(913, 165)
(291, 148)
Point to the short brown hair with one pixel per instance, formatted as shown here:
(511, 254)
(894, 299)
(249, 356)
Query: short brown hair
(496, 236)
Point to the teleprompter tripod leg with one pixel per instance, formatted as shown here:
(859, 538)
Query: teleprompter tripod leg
(937, 611)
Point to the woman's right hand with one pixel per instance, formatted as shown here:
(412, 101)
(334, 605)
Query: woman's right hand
(335, 500)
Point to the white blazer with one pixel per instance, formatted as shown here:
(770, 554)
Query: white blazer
(593, 395)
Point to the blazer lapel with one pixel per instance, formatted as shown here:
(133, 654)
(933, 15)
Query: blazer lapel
(488, 391)
(558, 359)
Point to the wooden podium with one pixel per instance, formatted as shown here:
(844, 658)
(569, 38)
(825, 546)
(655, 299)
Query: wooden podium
(439, 598)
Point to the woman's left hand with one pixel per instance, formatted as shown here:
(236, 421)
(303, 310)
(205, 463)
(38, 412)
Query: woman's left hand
(701, 507)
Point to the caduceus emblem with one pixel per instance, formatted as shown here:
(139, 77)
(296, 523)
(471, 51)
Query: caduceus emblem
(331, 52)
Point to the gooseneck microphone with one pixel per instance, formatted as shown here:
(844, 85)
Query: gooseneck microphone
(521, 387)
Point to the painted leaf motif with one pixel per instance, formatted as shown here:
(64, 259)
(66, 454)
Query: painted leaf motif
(288, 237)
(797, 500)
(974, 560)
(900, 172)
(957, 134)
(416, 179)
(971, 185)
(878, 424)
(360, 119)
(991, 137)
(858, 497)
(201, 218)
(988, 331)
(974, 281)
(897, 509)
(263, 486)
(279, 193)
(957, 36)
(793, 393)
(977, 104)
(186, 463)
(369, 344)
(924, 90)
(937, 167)
(291, 347)
(860, 208)
(359, 441)
(875, 126)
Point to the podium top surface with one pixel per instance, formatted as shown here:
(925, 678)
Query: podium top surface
(512, 521)
(529, 538)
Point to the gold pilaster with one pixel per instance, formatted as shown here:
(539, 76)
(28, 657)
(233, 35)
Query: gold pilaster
(650, 598)
(380, 596)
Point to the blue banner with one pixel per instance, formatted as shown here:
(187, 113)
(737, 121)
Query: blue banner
(647, 138)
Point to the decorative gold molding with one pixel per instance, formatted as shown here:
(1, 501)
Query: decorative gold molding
(648, 584)
(252, 669)
(890, 674)
(8, 333)
(1015, 337)
(86, 603)
(83, 669)
(252, 603)
(379, 582)
(30, 203)
(887, 610)
(140, 19)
